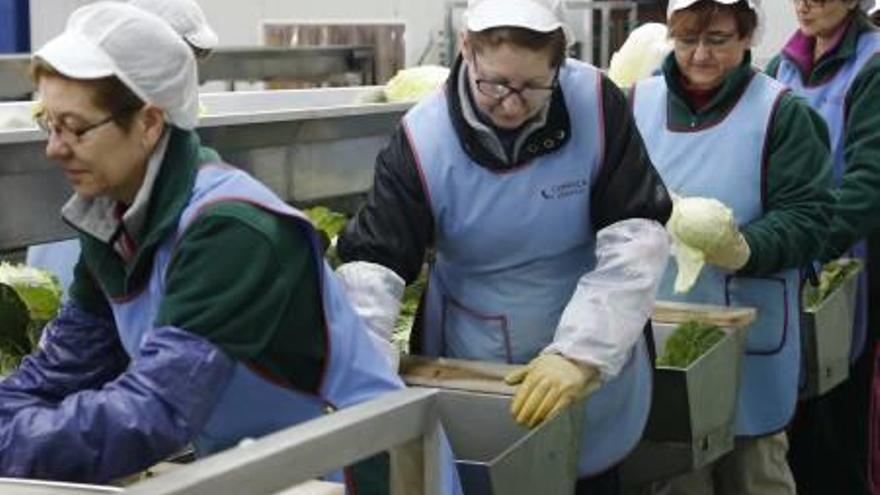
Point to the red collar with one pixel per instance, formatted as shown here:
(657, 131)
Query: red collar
(697, 98)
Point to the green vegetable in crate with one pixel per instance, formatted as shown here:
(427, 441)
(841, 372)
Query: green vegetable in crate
(28, 299)
(688, 342)
(833, 275)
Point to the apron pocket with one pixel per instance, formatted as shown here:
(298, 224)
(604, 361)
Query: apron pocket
(769, 296)
(468, 334)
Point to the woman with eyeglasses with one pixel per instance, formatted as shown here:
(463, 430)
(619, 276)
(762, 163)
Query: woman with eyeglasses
(715, 127)
(833, 62)
(188, 20)
(201, 310)
(527, 178)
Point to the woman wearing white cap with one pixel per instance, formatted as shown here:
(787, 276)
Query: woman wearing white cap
(201, 310)
(715, 127)
(187, 18)
(833, 61)
(528, 178)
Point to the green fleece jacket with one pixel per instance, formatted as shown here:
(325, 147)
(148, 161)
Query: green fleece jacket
(242, 277)
(857, 197)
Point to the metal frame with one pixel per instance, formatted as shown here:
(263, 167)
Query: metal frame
(309, 63)
(308, 146)
(304, 63)
(581, 32)
(15, 83)
(312, 449)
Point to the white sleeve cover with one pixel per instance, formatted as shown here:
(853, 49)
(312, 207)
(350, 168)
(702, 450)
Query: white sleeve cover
(611, 304)
(375, 293)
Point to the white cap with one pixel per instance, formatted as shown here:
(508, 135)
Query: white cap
(871, 6)
(115, 39)
(753, 4)
(543, 16)
(186, 17)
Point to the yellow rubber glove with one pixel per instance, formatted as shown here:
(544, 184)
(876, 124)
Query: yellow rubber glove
(549, 383)
(732, 255)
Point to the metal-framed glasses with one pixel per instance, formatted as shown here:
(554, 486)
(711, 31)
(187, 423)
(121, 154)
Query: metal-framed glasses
(71, 135)
(500, 91)
(713, 41)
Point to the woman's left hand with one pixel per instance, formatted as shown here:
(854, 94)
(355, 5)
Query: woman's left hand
(549, 383)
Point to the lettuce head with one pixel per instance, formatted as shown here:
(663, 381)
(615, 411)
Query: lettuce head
(38, 289)
(415, 83)
(698, 226)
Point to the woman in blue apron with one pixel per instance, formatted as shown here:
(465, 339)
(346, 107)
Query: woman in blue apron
(201, 310)
(188, 20)
(715, 127)
(833, 62)
(526, 177)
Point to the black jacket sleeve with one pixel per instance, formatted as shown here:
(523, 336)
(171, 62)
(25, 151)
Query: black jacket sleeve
(395, 226)
(627, 186)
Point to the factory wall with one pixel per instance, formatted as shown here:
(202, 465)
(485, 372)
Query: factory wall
(238, 22)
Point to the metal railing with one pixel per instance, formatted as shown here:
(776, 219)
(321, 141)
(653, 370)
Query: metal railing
(308, 146)
(307, 451)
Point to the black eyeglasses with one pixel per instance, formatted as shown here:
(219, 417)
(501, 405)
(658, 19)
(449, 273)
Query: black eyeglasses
(812, 3)
(714, 41)
(69, 135)
(501, 91)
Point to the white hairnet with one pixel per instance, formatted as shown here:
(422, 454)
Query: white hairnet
(186, 17)
(115, 39)
(543, 16)
(755, 5)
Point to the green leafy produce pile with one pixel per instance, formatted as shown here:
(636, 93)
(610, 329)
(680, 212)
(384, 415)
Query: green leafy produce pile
(688, 342)
(327, 220)
(833, 275)
(329, 224)
(29, 298)
(412, 295)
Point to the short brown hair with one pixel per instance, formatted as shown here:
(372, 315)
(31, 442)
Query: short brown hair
(552, 43)
(702, 13)
(109, 93)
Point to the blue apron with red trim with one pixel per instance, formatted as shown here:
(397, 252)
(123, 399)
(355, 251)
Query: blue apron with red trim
(829, 100)
(253, 406)
(725, 161)
(511, 247)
